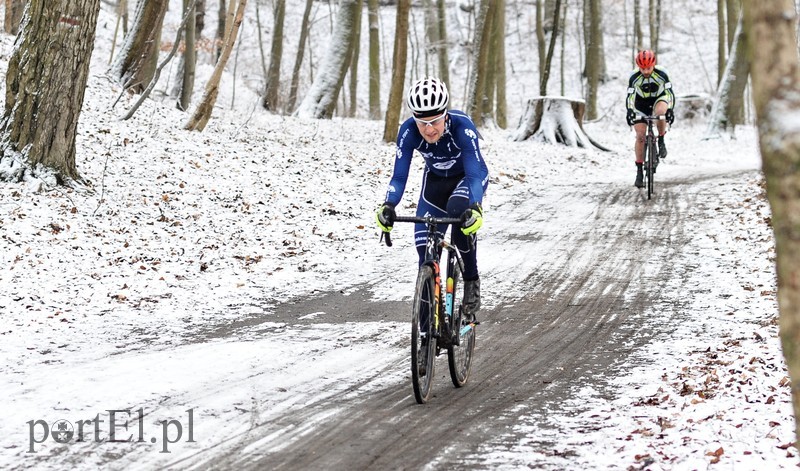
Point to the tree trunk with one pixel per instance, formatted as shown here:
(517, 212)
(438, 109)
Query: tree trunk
(200, 17)
(734, 8)
(550, 49)
(400, 56)
(541, 46)
(776, 94)
(593, 68)
(219, 40)
(14, 10)
(374, 61)
(138, 58)
(637, 27)
(298, 61)
(431, 21)
(276, 52)
(351, 109)
(654, 17)
(480, 55)
(40, 120)
(320, 101)
(202, 113)
(444, 62)
(184, 88)
(189, 59)
(499, 64)
(729, 102)
(721, 40)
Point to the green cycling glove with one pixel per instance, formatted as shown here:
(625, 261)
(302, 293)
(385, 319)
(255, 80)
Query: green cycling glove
(472, 219)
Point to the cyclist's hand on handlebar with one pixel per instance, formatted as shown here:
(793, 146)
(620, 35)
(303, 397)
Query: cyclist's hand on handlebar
(670, 116)
(385, 217)
(472, 219)
(630, 117)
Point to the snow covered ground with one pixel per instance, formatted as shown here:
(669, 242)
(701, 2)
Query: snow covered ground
(135, 292)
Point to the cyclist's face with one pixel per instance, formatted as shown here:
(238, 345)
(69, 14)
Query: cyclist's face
(431, 128)
(647, 71)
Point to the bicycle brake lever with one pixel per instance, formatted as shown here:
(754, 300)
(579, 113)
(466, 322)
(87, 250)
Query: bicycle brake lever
(388, 239)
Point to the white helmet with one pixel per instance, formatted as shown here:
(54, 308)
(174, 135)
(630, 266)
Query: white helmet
(428, 97)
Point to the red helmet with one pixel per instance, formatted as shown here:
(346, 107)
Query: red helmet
(645, 59)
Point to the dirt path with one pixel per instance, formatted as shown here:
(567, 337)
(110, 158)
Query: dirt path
(580, 315)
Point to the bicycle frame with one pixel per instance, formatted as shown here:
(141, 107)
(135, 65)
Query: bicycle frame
(434, 244)
(650, 149)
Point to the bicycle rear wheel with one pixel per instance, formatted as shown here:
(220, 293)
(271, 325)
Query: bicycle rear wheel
(460, 350)
(651, 152)
(422, 342)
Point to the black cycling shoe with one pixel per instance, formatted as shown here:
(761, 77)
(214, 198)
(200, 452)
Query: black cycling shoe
(639, 177)
(472, 298)
(662, 148)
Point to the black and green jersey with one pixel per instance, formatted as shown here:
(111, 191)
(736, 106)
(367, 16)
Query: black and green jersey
(644, 92)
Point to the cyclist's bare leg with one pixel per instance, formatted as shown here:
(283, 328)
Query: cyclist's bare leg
(661, 109)
(641, 130)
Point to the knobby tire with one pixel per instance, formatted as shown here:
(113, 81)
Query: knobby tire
(459, 357)
(651, 149)
(423, 306)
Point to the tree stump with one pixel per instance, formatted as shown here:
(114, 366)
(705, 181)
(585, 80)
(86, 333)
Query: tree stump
(694, 106)
(555, 120)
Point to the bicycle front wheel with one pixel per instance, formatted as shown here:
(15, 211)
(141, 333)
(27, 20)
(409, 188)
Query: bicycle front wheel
(460, 350)
(423, 344)
(651, 153)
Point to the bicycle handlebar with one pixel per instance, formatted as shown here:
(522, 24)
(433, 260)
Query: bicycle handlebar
(428, 220)
(661, 117)
(424, 220)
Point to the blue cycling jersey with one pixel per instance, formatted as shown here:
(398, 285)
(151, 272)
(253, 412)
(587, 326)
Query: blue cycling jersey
(456, 153)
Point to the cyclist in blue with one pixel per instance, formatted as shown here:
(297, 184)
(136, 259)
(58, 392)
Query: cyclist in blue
(650, 93)
(455, 176)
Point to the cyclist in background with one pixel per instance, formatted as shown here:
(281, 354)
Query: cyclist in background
(650, 93)
(454, 179)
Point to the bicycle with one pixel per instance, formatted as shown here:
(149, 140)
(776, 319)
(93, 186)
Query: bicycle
(437, 325)
(650, 153)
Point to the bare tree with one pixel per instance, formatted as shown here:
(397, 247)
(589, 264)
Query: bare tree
(187, 65)
(770, 26)
(734, 8)
(351, 109)
(298, 62)
(276, 53)
(655, 24)
(136, 63)
(320, 101)
(476, 81)
(549, 59)
(498, 57)
(222, 28)
(374, 61)
(637, 27)
(202, 113)
(729, 103)
(45, 86)
(444, 62)
(593, 56)
(189, 57)
(541, 45)
(721, 40)
(391, 121)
